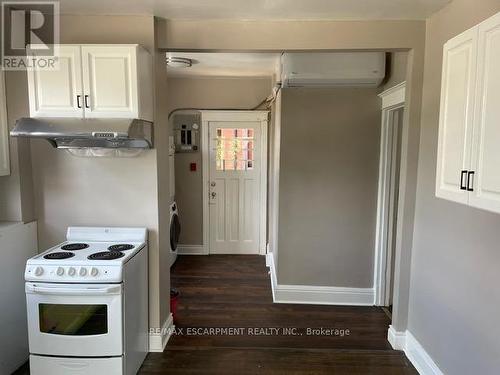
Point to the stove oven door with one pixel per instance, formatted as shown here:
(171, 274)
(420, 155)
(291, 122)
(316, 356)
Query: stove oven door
(83, 320)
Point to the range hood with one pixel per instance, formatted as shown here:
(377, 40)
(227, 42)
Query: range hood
(77, 133)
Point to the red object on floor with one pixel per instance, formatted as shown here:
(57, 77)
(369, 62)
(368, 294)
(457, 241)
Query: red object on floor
(174, 300)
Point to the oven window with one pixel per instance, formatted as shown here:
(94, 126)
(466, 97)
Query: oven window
(73, 320)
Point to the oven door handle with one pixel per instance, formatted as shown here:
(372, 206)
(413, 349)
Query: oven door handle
(89, 291)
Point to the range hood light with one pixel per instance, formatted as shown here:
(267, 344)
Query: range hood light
(179, 62)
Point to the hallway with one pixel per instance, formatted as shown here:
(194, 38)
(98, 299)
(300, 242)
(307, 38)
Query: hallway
(234, 291)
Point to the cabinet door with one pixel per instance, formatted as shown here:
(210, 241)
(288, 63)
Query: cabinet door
(110, 81)
(57, 92)
(456, 115)
(486, 144)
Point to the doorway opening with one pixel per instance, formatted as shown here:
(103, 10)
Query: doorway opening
(234, 147)
(388, 195)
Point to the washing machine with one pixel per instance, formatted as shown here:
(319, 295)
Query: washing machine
(175, 232)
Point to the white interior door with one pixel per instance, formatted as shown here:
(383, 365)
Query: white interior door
(486, 150)
(235, 193)
(57, 92)
(110, 81)
(456, 115)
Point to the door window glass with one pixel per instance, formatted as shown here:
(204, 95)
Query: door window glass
(73, 320)
(234, 149)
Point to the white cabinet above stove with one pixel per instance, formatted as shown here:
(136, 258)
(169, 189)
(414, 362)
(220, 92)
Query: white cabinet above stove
(94, 81)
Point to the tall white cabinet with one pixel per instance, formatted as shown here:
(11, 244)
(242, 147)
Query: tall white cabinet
(103, 81)
(468, 163)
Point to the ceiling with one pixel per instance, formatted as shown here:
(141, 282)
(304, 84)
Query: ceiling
(226, 64)
(260, 9)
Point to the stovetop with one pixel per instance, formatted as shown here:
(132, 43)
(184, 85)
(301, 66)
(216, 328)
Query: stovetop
(88, 255)
(94, 253)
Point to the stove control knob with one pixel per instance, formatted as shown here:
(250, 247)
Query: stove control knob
(71, 271)
(60, 271)
(83, 271)
(38, 271)
(94, 271)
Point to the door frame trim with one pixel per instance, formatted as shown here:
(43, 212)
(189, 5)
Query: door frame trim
(392, 99)
(255, 116)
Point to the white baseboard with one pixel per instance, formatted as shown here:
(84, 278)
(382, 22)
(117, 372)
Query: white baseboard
(159, 338)
(272, 273)
(422, 361)
(317, 295)
(324, 295)
(191, 250)
(404, 340)
(269, 259)
(397, 339)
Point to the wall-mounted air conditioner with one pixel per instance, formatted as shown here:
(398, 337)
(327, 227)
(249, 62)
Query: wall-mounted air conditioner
(333, 69)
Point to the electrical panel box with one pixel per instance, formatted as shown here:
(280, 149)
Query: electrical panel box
(187, 132)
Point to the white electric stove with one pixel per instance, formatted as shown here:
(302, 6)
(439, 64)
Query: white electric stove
(87, 301)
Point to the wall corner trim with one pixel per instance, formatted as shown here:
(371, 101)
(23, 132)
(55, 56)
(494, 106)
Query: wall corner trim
(317, 295)
(191, 250)
(158, 340)
(404, 340)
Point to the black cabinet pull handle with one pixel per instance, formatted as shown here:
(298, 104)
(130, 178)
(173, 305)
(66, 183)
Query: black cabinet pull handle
(470, 181)
(78, 104)
(463, 180)
(86, 101)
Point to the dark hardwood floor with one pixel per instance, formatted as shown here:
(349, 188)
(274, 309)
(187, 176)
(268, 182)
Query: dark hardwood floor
(233, 291)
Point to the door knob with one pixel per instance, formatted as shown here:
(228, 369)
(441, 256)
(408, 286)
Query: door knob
(212, 184)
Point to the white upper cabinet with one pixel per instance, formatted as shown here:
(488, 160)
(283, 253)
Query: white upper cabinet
(57, 92)
(469, 125)
(110, 81)
(486, 141)
(456, 116)
(95, 81)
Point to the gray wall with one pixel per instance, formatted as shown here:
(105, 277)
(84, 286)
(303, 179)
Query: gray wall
(454, 295)
(398, 67)
(328, 186)
(335, 35)
(16, 190)
(205, 93)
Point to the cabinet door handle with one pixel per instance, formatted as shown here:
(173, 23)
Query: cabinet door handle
(463, 180)
(470, 181)
(78, 98)
(87, 101)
